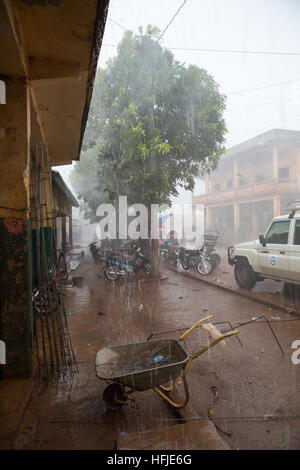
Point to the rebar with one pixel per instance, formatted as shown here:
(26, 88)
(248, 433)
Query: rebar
(53, 347)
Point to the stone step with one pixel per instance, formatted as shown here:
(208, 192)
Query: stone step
(197, 435)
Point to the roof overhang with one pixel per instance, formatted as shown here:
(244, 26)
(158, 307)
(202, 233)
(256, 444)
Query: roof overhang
(60, 183)
(54, 45)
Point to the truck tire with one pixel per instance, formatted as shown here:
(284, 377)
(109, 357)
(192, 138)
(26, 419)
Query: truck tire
(244, 274)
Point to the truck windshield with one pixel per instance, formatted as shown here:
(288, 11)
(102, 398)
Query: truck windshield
(279, 232)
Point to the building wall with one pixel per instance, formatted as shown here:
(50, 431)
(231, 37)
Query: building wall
(245, 192)
(16, 321)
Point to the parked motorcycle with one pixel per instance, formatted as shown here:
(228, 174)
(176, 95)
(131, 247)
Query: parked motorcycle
(99, 248)
(194, 259)
(118, 265)
(105, 249)
(168, 249)
(203, 260)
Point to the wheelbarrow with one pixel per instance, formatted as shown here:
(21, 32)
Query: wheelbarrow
(148, 365)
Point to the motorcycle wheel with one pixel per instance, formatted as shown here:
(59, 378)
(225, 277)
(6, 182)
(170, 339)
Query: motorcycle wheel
(147, 268)
(184, 266)
(111, 272)
(216, 259)
(204, 266)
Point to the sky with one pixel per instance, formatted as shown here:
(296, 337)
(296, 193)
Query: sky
(267, 29)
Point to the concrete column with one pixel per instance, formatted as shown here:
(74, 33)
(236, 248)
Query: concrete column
(276, 206)
(207, 183)
(254, 224)
(236, 214)
(16, 322)
(207, 218)
(235, 174)
(63, 235)
(70, 232)
(275, 162)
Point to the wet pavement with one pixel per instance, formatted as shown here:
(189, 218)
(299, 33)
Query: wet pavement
(277, 294)
(235, 386)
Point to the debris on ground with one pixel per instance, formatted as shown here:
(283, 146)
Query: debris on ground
(215, 391)
(213, 331)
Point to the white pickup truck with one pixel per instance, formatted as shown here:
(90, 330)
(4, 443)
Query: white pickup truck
(276, 255)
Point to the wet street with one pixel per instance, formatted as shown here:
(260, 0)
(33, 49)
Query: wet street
(238, 385)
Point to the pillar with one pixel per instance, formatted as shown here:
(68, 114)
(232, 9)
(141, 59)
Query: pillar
(63, 235)
(207, 219)
(254, 219)
(276, 206)
(235, 174)
(236, 215)
(70, 232)
(16, 321)
(207, 183)
(275, 162)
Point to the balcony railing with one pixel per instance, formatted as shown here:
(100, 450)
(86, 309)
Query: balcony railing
(275, 187)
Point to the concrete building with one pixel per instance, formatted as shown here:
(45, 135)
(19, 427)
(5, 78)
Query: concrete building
(48, 59)
(253, 182)
(62, 203)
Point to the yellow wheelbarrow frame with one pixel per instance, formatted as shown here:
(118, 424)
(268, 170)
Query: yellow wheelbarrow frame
(161, 389)
(115, 393)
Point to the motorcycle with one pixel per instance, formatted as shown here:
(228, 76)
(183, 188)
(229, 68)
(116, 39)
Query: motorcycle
(102, 250)
(168, 250)
(118, 265)
(98, 249)
(203, 260)
(194, 259)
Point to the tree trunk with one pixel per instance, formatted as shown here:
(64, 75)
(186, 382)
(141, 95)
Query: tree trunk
(153, 248)
(155, 258)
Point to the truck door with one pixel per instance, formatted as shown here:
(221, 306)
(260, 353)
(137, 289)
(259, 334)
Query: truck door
(274, 257)
(294, 253)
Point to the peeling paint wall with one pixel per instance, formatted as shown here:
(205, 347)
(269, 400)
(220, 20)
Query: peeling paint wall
(15, 236)
(15, 288)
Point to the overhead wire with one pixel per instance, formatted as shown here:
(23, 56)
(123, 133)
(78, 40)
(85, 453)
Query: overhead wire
(171, 21)
(226, 51)
(262, 104)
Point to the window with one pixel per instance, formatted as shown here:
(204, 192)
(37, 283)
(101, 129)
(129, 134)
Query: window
(229, 183)
(284, 172)
(297, 233)
(216, 187)
(279, 232)
(259, 178)
(243, 181)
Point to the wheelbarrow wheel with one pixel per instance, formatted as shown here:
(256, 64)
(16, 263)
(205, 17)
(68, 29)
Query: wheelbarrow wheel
(113, 396)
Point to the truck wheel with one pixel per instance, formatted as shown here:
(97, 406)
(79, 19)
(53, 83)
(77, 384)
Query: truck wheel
(244, 274)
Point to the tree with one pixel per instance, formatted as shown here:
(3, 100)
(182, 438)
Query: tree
(85, 181)
(157, 123)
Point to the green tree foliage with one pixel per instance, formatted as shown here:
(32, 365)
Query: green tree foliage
(154, 125)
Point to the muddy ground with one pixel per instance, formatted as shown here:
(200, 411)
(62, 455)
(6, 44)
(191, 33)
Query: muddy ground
(230, 383)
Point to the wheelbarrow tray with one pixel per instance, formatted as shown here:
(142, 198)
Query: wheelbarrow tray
(141, 366)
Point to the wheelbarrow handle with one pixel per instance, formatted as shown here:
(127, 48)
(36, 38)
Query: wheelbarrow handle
(187, 332)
